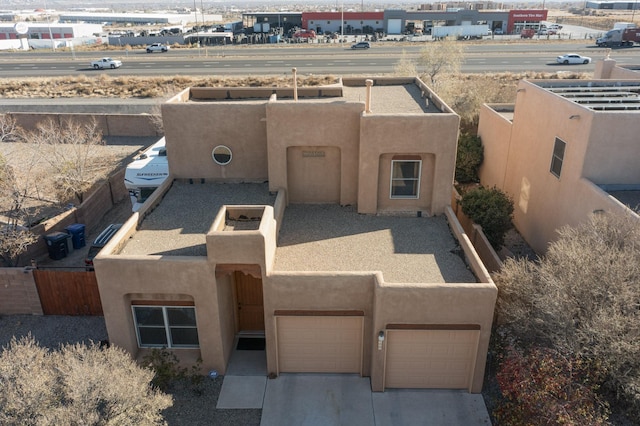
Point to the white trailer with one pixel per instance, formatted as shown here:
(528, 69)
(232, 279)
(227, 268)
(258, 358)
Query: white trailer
(146, 172)
(461, 32)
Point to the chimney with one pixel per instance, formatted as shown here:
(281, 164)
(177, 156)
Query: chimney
(367, 104)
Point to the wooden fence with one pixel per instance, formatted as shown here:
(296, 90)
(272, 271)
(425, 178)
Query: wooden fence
(68, 292)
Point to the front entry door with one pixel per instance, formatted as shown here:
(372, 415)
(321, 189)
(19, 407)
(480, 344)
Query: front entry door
(250, 304)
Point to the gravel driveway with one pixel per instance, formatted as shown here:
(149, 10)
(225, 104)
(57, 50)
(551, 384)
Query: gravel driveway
(189, 408)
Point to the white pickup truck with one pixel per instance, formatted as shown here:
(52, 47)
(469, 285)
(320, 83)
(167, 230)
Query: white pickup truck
(157, 47)
(106, 63)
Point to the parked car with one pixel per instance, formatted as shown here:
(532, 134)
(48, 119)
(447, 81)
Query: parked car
(498, 31)
(106, 63)
(547, 31)
(100, 242)
(527, 33)
(157, 47)
(361, 45)
(573, 58)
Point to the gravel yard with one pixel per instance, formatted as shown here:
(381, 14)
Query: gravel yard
(189, 408)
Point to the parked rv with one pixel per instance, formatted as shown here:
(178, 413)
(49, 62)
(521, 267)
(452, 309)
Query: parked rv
(146, 172)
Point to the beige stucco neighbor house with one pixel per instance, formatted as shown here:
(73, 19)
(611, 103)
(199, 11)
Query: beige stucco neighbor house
(315, 217)
(567, 149)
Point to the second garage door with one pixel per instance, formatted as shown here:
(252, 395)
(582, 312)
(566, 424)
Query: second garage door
(442, 359)
(319, 344)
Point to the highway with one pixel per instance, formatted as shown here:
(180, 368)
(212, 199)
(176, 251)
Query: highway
(486, 56)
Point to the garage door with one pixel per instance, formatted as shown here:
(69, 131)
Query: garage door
(312, 344)
(442, 359)
(394, 26)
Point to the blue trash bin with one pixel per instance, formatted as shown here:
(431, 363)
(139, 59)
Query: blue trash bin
(77, 235)
(57, 244)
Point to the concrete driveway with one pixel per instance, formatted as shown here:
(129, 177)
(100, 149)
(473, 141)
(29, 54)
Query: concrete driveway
(321, 399)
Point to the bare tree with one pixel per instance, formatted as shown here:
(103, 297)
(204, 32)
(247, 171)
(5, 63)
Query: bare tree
(581, 298)
(444, 56)
(66, 149)
(405, 66)
(9, 129)
(76, 385)
(17, 216)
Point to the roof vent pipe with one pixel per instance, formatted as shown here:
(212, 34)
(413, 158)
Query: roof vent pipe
(295, 85)
(367, 105)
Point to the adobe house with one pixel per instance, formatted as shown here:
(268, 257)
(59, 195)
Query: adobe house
(567, 149)
(316, 218)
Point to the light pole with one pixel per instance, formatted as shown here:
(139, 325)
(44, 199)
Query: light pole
(342, 23)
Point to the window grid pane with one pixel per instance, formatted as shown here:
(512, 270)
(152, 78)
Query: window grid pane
(405, 178)
(166, 326)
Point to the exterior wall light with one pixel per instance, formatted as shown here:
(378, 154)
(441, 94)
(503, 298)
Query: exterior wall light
(380, 339)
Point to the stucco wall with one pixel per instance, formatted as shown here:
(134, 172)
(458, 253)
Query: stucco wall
(18, 292)
(317, 291)
(108, 124)
(601, 148)
(495, 132)
(162, 278)
(192, 130)
(613, 151)
(431, 136)
(314, 125)
(468, 304)
(541, 200)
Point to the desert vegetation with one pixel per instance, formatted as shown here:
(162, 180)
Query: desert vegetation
(76, 384)
(565, 342)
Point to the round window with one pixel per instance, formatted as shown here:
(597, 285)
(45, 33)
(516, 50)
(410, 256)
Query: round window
(221, 155)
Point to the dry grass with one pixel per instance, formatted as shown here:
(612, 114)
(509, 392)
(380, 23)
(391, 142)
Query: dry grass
(137, 87)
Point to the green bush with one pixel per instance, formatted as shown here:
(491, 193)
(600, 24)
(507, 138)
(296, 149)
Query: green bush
(468, 158)
(492, 209)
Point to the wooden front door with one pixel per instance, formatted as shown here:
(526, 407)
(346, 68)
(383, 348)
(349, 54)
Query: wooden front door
(250, 303)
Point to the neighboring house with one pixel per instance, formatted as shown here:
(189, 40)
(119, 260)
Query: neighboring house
(316, 217)
(567, 149)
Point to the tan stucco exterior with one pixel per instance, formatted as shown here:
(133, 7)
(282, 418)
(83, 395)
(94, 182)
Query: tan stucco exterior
(319, 150)
(601, 152)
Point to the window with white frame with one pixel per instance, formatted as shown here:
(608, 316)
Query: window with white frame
(166, 326)
(558, 157)
(405, 178)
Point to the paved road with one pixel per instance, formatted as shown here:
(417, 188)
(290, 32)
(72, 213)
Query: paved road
(487, 56)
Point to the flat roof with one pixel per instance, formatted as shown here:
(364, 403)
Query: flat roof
(312, 237)
(598, 95)
(400, 98)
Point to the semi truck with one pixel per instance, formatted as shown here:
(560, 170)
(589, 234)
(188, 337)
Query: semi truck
(146, 172)
(461, 32)
(619, 37)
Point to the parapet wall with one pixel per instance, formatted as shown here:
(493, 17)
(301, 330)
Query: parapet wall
(109, 124)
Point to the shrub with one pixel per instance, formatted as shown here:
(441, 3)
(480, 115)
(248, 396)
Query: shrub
(75, 385)
(167, 370)
(469, 157)
(543, 387)
(492, 209)
(581, 298)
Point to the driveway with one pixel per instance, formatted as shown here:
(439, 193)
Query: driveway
(321, 399)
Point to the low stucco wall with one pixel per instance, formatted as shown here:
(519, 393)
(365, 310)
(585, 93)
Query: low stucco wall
(108, 124)
(18, 292)
(495, 133)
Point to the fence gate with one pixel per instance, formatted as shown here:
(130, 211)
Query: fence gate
(68, 292)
